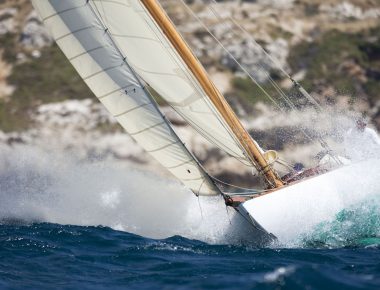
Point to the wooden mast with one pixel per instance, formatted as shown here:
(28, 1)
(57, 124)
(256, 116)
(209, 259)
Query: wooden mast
(253, 152)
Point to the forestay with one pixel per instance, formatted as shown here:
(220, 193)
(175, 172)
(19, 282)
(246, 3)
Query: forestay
(86, 42)
(155, 60)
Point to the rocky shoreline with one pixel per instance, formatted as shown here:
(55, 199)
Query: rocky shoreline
(85, 131)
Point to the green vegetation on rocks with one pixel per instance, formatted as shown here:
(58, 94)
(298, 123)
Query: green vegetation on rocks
(246, 90)
(50, 78)
(349, 63)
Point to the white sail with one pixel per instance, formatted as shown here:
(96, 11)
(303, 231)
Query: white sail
(155, 60)
(87, 44)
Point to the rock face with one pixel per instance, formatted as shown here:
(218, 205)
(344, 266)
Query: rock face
(255, 60)
(86, 130)
(5, 70)
(7, 20)
(34, 34)
(277, 3)
(347, 11)
(75, 126)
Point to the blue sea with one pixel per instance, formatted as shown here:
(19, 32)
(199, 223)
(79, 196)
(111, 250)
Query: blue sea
(66, 224)
(51, 256)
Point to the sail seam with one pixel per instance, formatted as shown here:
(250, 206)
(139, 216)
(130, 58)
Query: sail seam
(133, 36)
(153, 72)
(130, 110)
(86, 52)
(103, 70)
(147, 129)
(179, 165)
(192, 179)
(163, 147)
(73, 32)
(61, 12)
(186, 102)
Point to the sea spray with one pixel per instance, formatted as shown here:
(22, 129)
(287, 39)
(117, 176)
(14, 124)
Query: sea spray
(53, 187)
(358, 225)
(56, 187)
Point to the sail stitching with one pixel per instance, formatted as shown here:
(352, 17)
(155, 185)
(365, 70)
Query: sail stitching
(164, 147)
(86, 52)
(153, 72)
(61, 12)
(192, 179)
(130, 110)
(147, 129)
(101, 71)
(73, 32)
(179, 165)
(134, 36)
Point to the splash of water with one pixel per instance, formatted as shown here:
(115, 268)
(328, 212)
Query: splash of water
(356, 226)
(54, 187)
(42, 187)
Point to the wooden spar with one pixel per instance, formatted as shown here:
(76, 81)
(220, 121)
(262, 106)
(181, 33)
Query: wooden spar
(251, 149)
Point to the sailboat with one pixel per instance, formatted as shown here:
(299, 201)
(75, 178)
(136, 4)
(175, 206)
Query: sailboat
(121, 48)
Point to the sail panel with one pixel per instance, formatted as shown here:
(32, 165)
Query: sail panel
(99, 62)
(157, 63)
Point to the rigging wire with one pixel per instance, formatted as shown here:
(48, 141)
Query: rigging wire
(199, 131)
(191, 12)
(297, 85)
(205, 27)
(240, 65)
(274, 61)
(262, 69)
(99, 17)
(272, 81)
(229, 53)
(234, 186)
(322, 142)
(211, 107)
(245, 70)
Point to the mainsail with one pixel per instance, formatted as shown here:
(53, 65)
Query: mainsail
(85, 40)
(158, 63)
(162, 58)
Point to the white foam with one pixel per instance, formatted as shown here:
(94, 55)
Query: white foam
(37, 186)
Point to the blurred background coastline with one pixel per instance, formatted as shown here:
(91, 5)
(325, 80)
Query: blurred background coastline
(331, 47)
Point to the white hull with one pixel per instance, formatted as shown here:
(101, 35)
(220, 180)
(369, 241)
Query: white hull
(294, 211)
